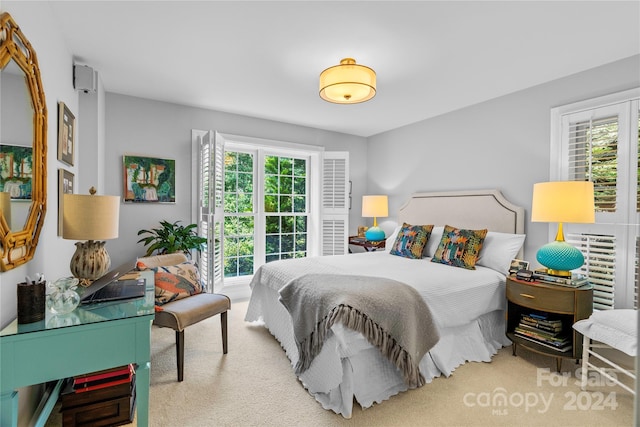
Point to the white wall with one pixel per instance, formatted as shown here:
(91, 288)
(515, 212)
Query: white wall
(53, 254)
(502, 143)
(141, 126)
(55, 61)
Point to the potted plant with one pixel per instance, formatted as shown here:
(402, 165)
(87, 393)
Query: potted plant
(172, 237)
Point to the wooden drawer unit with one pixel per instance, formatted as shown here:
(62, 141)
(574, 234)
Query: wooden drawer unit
(558, 303)
(541, 297)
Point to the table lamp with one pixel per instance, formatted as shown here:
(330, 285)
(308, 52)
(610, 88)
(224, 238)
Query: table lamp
(375, 206)
(92, 218)
(562, 201)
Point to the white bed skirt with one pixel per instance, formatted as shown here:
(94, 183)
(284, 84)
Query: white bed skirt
(348, 366)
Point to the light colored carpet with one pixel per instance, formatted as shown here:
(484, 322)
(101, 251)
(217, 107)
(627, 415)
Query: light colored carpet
(254, 385)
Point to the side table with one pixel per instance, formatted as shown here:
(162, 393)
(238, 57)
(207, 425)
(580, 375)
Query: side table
(567, 305)
(368, 245)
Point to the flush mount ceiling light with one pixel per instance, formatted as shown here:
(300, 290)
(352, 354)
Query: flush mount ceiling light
(347, 83)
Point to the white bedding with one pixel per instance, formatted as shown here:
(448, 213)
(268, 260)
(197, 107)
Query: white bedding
(466, 305)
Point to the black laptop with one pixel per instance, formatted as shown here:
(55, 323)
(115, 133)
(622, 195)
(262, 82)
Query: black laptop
(109, 288)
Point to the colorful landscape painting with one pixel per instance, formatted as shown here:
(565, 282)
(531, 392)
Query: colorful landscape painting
(16, 164)
(149, 179)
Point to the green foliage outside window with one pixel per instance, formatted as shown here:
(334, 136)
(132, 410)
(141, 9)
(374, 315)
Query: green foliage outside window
(285, 206)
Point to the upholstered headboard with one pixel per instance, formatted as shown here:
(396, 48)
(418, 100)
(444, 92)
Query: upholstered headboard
(464, 209)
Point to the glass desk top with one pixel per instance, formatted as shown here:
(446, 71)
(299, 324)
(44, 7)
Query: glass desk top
(91, 313)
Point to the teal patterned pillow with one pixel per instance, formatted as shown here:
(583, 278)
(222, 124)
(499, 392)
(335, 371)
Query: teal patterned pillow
(459, 247)
(411, 240)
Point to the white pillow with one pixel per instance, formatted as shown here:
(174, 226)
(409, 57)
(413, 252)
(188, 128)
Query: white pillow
(433, 242)
(392, 238)
(499, 249)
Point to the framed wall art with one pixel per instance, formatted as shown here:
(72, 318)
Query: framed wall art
(66, 134)
(148, 179)
(65, 186)
(16, 171)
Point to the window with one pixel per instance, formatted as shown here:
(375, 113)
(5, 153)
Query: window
(239, 214)
(262, 201)
(285, 206)
(599, 141)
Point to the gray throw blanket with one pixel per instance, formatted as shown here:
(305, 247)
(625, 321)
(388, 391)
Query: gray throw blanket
(391, 315)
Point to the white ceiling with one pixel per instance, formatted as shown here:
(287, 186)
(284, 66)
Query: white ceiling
(263, 58)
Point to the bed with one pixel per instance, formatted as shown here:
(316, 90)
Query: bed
(467, 305)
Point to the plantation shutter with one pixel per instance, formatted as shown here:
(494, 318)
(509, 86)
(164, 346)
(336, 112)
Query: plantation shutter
(201, 159)
(599, 265)
(217, 245)
(598, 141)
(209, 155)
(593, 155)
(335, 203)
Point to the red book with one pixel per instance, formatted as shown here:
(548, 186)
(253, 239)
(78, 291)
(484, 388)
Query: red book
(103, 383)
(107, 373)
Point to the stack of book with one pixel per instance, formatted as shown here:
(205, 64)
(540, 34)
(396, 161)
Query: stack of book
(575, 281)
(99, 398)
(103, 379)
(544, 331)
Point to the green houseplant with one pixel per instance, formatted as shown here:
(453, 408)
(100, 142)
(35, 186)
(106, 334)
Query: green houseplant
(172, 237)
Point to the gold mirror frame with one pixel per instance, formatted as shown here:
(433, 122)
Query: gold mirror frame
(18, 247)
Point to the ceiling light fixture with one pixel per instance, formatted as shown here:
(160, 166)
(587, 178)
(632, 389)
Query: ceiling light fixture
(347, 83)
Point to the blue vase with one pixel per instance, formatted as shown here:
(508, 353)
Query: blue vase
(374, 234)
(560, 256)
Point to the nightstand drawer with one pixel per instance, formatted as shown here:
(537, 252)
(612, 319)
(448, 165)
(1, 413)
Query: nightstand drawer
(540, 297)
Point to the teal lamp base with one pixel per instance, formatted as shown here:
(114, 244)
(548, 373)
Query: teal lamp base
(374, 234)
(560, 258)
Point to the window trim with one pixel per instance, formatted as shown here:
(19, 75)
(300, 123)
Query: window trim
(624, 294)
(261, 147)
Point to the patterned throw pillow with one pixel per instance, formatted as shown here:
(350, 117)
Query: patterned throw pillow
(411, 240)
(175, 282)
(459, 247)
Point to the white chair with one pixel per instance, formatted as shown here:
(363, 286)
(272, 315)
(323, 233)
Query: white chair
(608, 329)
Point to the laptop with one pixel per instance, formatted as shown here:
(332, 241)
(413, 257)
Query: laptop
(109, 288)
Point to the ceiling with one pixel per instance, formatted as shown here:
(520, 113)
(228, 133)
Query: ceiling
(263, 58)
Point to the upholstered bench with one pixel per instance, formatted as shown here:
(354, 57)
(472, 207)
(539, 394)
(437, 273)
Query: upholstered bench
(609, 329)
(184, 312)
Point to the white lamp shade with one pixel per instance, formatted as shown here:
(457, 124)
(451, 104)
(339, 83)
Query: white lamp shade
(375, 206)
(347, 83)
(90, 217)
(563, 201)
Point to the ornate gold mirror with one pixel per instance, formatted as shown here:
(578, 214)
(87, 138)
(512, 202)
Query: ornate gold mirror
(23, 147)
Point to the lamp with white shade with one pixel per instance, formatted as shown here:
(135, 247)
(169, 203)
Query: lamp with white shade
(562, 202)
(92, 218)
(375, 206)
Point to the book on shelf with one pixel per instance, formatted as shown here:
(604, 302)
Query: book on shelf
(103, 383)
(106, 373)
(563, 348)
(544, 332)
(549, 339)
(575, 281)
(543, 327)
(103, 379)
(532, 319)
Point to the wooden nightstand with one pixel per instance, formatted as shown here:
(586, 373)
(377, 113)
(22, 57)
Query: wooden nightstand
(366, 244)
(559, 304)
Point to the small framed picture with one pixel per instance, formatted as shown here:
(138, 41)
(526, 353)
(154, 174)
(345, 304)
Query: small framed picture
(65, 186)
(517, 264)
(66, 134)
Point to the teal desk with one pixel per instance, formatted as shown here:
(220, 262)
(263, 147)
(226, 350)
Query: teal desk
(89, 339)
